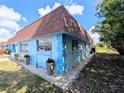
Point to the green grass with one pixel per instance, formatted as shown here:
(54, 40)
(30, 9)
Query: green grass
(8, 65)
(14, 79)
(106, 50)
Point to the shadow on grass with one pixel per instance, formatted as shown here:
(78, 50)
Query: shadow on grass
(104, 74)
(25, 82)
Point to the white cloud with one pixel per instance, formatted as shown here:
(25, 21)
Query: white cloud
(74, 9)
(9, 19)
(9, 13)
(24, 19)
(56, 5)
(4, 34)
(95, 36)
(12, 25)
(90, 30)
(44, 11)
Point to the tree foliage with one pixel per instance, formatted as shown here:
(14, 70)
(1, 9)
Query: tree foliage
(111, 24)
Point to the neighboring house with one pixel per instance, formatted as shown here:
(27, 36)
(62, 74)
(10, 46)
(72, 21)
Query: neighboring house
(57, 35)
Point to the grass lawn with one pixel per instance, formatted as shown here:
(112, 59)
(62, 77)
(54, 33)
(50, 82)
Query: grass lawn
(14, 79)
(106, 50)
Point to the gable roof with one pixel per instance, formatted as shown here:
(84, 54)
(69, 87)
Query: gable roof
(3, 43)
(11, 41)
(0, 43)
(59, 20)
(72, 26)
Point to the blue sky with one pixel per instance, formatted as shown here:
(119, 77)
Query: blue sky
(16, 14)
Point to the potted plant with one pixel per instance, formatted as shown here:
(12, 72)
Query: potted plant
(27, 59)
(50, 66)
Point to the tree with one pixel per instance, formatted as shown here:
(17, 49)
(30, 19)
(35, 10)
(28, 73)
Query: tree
(111, 24)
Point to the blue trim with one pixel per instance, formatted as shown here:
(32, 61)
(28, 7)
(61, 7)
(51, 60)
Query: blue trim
(60, 63)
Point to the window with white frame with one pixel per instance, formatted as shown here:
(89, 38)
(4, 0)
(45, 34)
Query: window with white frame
(44, 45)
(24, 47)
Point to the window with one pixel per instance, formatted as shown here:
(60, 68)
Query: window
(44, 45)
(48, 45)
(14, 47)
(74, 45)
(40, 45)
(24, 47)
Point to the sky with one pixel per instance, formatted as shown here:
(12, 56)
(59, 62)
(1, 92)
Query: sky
(16, 14)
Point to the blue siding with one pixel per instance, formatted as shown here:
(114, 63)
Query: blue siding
(42, 56)
(14, 47)
(61, 52)
(32, 51)
(18, 48)
(72, 58)
(38, 57)
(56, 53)
(60, 62)
(54, 47)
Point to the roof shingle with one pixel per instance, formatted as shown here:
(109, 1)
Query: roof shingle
(59, 20)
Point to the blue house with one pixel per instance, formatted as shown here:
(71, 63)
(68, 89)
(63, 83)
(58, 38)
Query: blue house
(58, 36)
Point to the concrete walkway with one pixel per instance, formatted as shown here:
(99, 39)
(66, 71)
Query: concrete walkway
(61, 81)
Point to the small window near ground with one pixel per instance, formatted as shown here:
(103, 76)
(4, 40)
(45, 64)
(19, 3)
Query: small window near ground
(44, 45)
(74, 45)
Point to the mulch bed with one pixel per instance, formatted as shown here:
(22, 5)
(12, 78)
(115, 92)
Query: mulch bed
(104, 74)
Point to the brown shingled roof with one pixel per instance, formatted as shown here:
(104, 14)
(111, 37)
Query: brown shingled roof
(11, 41)
(72, 26)
(0, 43)
(3, 43)
(59, 20)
